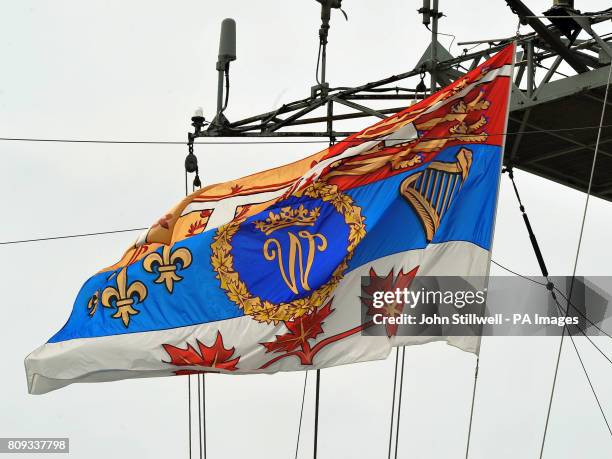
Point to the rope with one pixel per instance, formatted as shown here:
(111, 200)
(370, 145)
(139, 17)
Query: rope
(586, 205)
(399, 403)
(393, 401)
(297, 443)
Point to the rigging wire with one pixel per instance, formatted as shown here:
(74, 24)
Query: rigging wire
(316, 425)
(188, 376)
(532, 237)
(332, 141)
(571, 337)
(445, 34)
(550, 286)
(586, 374)
(476, 367)
(204, 411)
(297, 443)
(584, 316)
(193, 167)
(588, 337)
(280, 142)
(199, 414)
(189, 410)
(399, 402)
(594, 345)
(70, 236)
(393, 401)
(586, 205)
(543, 284)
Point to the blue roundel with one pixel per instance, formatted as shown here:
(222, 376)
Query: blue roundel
(290, 249)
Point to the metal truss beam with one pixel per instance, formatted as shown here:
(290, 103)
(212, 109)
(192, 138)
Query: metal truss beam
(529, 89)
(547, 35)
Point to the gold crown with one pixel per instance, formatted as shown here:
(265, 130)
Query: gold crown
(288, 217)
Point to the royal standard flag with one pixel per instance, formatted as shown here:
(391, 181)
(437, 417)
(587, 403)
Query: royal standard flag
(263, 274)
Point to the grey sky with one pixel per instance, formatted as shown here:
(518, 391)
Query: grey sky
(137, 70)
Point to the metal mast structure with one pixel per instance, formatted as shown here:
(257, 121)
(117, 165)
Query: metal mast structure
(558, 83)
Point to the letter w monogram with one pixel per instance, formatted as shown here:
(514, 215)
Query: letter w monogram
(272, 250)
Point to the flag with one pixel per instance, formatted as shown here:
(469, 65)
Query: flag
(263, 274)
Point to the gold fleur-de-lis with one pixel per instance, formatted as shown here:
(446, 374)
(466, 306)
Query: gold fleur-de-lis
(166, 265)
(92, 304)
(123, 297)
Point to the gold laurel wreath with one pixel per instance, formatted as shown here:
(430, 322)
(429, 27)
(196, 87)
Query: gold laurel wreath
(264, 311)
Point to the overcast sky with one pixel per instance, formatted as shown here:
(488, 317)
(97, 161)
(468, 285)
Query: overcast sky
(136, 71)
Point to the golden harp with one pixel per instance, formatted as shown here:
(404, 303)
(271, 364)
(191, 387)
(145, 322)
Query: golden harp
(431, 191)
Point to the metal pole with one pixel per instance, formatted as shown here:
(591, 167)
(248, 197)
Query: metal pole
(434, 44)
(330, 122)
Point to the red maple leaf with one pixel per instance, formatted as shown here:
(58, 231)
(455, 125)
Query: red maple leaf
(302, 329)
(215, 356)
(387, 284)
(197, 225)
(241, 211)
